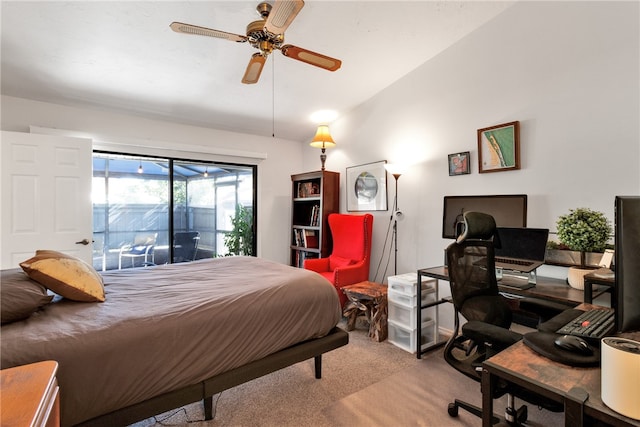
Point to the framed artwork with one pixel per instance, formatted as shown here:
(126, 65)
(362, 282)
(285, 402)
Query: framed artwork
(367, 187)
(499, 148)
(459, 163)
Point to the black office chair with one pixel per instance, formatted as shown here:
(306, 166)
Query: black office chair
(185, 245)
(475, 295)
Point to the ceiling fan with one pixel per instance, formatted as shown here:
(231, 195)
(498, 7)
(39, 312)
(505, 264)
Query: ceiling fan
(266, 35)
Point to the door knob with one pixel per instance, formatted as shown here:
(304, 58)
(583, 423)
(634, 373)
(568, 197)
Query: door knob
(84, 242)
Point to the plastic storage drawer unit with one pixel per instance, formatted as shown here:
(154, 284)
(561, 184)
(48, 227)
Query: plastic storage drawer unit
(405, 338)
(407, 283)
(428, 295)
(406, 315)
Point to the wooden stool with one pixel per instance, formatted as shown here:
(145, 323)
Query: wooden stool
(370, 298)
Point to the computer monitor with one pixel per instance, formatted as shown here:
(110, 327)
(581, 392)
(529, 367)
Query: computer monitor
(627, 263)
(521, 243)
(508, 210)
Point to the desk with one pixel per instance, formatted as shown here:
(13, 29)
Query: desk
(601, 276)
(522, 366)
(546, 288)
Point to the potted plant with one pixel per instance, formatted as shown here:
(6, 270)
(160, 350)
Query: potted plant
(239, 241)
(583, 230)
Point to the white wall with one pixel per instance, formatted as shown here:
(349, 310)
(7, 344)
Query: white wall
(283, 157)
(568, 71)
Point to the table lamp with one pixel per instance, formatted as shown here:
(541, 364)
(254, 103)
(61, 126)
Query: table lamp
(323, 140)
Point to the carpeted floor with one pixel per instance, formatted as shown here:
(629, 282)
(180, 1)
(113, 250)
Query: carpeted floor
(363, 384)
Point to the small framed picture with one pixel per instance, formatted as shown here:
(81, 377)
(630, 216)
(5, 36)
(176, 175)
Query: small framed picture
(499, 148)
(459, 163)
(367, 187)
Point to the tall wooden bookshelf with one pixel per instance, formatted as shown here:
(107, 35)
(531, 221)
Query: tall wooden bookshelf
(314, 196)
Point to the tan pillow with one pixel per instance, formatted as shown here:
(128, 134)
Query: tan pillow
(65, 275)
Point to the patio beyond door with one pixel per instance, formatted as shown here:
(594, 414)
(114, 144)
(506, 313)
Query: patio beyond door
(156, 211)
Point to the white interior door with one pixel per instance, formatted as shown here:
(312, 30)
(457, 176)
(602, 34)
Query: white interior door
(46, 196)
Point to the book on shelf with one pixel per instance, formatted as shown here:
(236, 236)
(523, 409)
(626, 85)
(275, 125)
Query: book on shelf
(308, 189)
(305, 238)
(297, 237)
(314, 220)
(310, 239)
(301, 256)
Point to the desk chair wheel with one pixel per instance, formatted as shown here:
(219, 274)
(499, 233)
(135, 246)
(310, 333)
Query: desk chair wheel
(453, 410)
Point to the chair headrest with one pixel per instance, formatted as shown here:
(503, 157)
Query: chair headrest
(477, 225)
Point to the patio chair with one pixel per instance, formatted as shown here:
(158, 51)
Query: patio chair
(185, 245)
(142, 247)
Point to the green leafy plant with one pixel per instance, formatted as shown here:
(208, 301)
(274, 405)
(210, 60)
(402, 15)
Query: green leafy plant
(239, 241)
(584, 230)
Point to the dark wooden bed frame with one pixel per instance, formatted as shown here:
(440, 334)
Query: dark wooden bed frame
(206, 389)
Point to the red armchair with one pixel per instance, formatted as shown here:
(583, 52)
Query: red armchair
(349, 260)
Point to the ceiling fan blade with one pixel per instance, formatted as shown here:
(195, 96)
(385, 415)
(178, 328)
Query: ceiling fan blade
(254, 69)
(310, 57)
(180, 27)
(282, 14)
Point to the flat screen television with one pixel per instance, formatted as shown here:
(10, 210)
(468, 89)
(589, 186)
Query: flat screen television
(509, 210)
(627, 263)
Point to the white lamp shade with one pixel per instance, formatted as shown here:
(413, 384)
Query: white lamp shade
(395, 169)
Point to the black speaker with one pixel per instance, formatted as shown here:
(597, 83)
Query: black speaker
(627, 263)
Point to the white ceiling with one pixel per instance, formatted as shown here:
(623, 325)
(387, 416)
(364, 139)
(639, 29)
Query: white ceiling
(122, 56)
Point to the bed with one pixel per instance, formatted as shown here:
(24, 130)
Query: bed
(175, 334)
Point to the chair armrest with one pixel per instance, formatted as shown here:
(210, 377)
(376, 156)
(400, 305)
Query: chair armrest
(350, 274)
(499, 338)
(318, 265)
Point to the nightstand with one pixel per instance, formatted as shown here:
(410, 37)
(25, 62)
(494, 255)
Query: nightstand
(29, 395)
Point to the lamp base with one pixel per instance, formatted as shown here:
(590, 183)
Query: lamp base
(323, 158)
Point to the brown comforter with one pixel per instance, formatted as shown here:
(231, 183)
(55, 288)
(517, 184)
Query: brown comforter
(165, 327)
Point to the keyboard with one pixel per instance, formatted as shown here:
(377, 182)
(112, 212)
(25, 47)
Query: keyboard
(513, 261)
(590, 325)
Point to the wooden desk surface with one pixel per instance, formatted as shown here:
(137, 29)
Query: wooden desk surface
(546, 287)
(523, 366)
(602, 276)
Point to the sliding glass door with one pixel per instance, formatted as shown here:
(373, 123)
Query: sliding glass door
(157, 210)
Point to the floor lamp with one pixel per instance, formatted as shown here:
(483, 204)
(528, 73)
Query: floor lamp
(396, 171)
